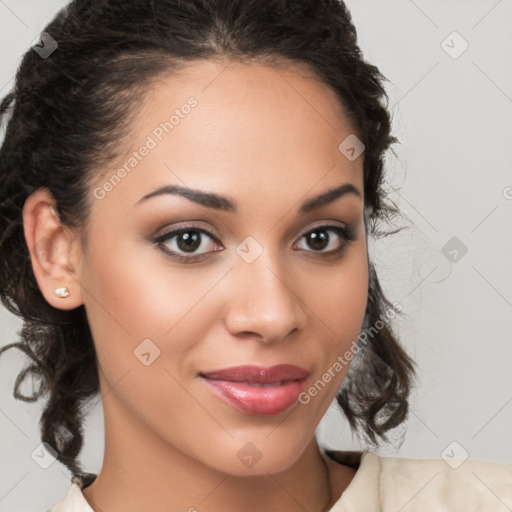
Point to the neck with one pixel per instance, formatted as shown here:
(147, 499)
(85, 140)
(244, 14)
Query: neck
(141, 471)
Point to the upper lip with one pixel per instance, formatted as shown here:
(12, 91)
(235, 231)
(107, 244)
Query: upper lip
(258, 374)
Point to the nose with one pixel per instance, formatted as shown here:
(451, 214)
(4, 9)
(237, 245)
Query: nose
(263, 302)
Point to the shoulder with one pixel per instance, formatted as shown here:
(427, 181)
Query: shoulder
(427, 484)
(75, 501)
(446, 484)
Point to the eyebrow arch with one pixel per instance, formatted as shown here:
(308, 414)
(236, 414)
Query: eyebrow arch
(218, 202)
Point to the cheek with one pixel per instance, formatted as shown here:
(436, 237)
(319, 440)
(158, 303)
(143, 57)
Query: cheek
(137, 291)
(347, 291)
(143, 305)
(144, 320)
(340, 319)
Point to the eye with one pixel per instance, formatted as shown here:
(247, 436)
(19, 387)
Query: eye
(186, 240)
(190, 243)
(321, 242)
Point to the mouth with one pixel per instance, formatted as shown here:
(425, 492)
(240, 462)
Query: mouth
(257, 390)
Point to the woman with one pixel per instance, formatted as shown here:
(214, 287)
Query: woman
(187, 194)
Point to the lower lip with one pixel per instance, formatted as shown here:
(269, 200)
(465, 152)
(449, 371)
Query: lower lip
(260, 400)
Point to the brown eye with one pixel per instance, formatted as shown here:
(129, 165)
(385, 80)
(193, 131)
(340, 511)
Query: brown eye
(318, 239)
(185, 242)
(188, 240)
(321, 238)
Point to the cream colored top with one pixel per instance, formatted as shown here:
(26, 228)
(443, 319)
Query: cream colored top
(397, 484)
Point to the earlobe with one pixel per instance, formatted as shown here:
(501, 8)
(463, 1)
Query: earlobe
(50, 245)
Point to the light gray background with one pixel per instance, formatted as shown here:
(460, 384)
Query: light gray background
(454, 119)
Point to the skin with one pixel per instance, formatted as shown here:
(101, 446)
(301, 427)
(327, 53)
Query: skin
(268, 139)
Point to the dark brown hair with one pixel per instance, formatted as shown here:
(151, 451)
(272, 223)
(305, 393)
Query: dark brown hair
(66, 116)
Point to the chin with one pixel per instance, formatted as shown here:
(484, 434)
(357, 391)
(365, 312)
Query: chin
(250, 460)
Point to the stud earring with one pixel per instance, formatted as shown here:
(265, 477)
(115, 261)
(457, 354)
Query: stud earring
(62, 292)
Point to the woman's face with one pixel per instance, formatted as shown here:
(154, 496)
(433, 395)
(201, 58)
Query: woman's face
(266, 283)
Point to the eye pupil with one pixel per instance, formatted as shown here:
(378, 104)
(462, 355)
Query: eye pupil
(318, 239)
(191, 241)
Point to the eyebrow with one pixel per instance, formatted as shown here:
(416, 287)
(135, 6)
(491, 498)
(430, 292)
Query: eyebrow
(219, 202)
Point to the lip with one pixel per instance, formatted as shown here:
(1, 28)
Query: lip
(257, 390)
(258, 374)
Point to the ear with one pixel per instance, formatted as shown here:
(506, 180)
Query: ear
(55, 250)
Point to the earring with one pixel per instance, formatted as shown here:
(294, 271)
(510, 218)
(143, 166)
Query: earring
(62, 292)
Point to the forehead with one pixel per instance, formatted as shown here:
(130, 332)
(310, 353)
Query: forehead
(218, 125)
(290, 90)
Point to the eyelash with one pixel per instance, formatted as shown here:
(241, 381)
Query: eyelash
(347, 234)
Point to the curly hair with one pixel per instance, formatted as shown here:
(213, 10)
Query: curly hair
(68, 113)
